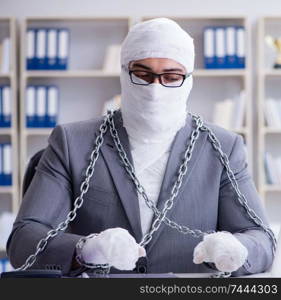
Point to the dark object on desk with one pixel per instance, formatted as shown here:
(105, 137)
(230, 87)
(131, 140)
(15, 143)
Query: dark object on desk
(134, 275)
(32, 274)
(30, 170)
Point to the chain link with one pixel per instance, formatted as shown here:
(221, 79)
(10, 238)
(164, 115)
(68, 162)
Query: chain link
(77, 203)
(160, 215)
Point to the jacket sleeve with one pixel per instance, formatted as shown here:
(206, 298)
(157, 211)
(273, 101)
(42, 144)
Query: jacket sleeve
(232, 216)
(45, 204)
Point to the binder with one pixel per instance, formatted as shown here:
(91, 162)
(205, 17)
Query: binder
(5, 68)
(5, 118)
(240, 46)
(41, 49)
(31, 43)
(6, 164)
(209, 47)
(220, 54)
(230, 37)
(1, 166)
(52, 106)
(40, 107)
(1, 111)
(63, 49)
(30, 106)
(52, 45)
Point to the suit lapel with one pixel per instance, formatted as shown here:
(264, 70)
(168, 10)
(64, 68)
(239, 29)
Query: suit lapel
(182, 139)
(126, 188)
(124, 185)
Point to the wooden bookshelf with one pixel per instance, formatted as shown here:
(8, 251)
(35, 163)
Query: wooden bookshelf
(214, 79)
(269, 138)
(9, 195)
(85, 78)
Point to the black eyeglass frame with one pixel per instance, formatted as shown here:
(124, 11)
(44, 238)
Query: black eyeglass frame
(159, 76)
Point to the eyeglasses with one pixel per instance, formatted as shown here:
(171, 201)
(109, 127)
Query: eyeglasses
(166, 79)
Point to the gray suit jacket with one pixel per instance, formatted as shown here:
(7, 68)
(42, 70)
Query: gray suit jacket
(206, 200)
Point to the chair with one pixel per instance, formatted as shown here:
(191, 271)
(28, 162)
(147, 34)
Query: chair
(30, 170)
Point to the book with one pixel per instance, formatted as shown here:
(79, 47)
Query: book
(5, 56)
(224, 47)
(112, 59)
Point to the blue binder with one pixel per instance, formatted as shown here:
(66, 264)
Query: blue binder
(52, 106)
(230, 36)
(209, 47)
(52, 49)
(5, 178)
(38, 40)
(31, 43)
(1, 166)
(240, 47)
(40, 106)
(220, 57)
(30, 106)
(41, 48)
(63, 41)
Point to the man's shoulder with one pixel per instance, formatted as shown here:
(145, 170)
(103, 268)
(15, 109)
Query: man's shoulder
(80, 128)
(225, 136)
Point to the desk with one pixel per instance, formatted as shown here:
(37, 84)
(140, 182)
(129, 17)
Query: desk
(170, 275)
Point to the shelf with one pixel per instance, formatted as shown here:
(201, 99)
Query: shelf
(271, 130)
(272, 188)
(5, 75)
(10, 194)
(101, 73)
(272, 72)
(217, 72)
(70, 74)
(37, 131)
(6, 189)
(6, 131)
(241, 130)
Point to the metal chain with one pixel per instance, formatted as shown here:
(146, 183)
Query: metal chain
(160, 216)
(77, 203)
(241, 198)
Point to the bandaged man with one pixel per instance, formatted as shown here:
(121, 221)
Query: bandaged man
(154, 129)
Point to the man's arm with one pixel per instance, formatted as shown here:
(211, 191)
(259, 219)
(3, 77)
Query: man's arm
(45, 204)
(232, 216)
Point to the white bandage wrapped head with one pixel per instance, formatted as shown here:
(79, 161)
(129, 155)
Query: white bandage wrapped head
(155, 113)
(159, 37)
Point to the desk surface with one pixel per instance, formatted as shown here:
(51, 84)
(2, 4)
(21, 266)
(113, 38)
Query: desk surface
(171, 275)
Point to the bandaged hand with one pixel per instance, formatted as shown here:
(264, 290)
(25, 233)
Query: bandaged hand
(223, 249)
(113, 246)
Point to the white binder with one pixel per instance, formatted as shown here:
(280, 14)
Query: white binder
(41, 48)
(51, 48)
(209, 47)
(30, 51)
(41, 106)
(6, 104)
(52, 107)
(63, 49)
(220, 47)
(7, 159)
(30, 106)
